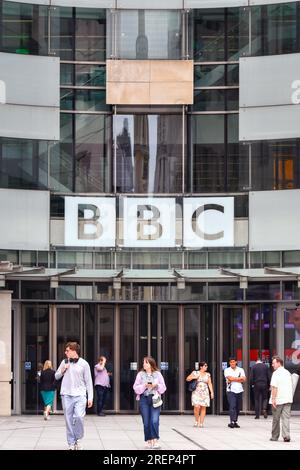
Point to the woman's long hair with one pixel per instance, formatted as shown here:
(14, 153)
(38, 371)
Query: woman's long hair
(152, 363)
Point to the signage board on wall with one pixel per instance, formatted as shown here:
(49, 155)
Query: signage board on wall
(149, 222)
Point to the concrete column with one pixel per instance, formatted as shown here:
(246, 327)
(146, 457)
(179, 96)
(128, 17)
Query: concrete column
(5, 352)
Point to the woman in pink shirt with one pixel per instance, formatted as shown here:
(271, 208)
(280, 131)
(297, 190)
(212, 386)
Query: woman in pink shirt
(149, 385)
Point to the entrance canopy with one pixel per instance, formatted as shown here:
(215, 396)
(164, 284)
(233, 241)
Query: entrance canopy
(8, 271)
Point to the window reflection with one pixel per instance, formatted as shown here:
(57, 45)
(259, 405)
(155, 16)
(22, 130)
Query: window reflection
(149, 153)
(148, 34)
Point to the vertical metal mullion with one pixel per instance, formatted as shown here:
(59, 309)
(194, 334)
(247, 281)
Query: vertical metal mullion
(159, 332)
(149, 332)
(183, 149)
(181, 374)
(49, 30)
(115, 153)
(220, 358)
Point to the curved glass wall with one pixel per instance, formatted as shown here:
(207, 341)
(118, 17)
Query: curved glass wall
(24, 28)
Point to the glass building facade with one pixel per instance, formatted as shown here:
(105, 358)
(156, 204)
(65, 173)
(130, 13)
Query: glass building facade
(143, 150)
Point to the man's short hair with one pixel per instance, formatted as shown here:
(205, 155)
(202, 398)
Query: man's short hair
(277, 359)
(73, 346)
(232, 358)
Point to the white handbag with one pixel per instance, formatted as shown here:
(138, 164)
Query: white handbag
(295, 378)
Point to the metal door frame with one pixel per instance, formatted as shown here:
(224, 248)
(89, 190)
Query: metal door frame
(245, 353)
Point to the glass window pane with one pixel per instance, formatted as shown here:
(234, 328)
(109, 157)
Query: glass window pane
(208, 153)
(149, 153)
(103, 260)
(148, 34)
(275, 164)
(263, 291)
(23, 164)
(93, 153)
(197, 260)
(78, 34)
(228, 291)
(150, 260)
(12, 256)
(90, 75)
(209, 34)
(24, 28)
(228, 259)
(291, 258)
(61, 160)
(237, 158)
(209, 75)
(28, 258)
(275, 29)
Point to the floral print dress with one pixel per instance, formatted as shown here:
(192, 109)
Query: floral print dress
(200, 397)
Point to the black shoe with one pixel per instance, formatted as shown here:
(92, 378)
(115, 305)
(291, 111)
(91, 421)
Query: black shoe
(265, 414)
(256, 417)
(287, 439)
(101, 414)
(231, 425)
(273, 439)
(236, 425)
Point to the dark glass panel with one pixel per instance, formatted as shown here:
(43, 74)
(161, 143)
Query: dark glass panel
(291, 291)
(57, 206)
(150, 260)
(128, 354)
(90, 34)
(9, 255)
(149, 153)
(24, 28)
(93, 153)
(275, 29)
(208, 153)
(83, 100)
(23, 163)
(61, 160)
(34, 353)
(90, 75)
(265, 258)
(169, 354)
(275, 164)
(226, 259)
(192, 291)
(78, 33)
(148, 34)
(69, 259)
(216, 100)
(36, 290)
(228, 291)
(290, 258)
(209, 35)
(220, 163)
(263, 291)
(209, 75)
(292, 346)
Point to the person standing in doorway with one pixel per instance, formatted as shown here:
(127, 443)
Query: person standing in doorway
(235, 377)
(260, 381)
(200, 396)
(281, 400)
(102, 384)
(76, 391)
(47, 387)
(148, 385)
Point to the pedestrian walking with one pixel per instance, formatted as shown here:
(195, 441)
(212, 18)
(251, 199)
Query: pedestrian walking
(202, 394)
(76, 391)
(235, 377)
(47, 387)
(281, 399)
(260, 382)
(149, 385)
(102, 384)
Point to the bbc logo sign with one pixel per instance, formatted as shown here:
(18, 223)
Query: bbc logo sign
(149, 222)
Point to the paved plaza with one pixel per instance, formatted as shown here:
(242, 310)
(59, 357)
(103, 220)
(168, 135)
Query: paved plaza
(124, 432)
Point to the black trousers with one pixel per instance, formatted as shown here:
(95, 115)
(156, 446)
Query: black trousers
(101, 397)
(235, 403)
(260, 397)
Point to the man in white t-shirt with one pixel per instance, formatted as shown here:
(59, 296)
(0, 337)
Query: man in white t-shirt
(235, 377)
(281, 399)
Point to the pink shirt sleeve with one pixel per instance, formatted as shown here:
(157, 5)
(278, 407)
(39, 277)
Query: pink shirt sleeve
(161, 388)
(138, 386)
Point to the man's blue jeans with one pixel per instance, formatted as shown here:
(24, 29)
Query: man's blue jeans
(150, 417)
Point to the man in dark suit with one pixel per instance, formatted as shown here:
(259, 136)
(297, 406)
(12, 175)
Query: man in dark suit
(260, 381)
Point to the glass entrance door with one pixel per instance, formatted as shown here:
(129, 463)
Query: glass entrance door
(232, 342)
(291, 318)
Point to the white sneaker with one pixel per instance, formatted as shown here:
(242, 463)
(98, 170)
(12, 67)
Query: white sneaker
(148, 445)
(45, 416)
(156, 446)
(71, 447)
(78, 445)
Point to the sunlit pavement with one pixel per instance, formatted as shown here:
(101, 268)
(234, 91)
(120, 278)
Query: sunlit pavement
(114, 432)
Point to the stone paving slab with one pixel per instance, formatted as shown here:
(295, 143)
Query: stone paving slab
(125, 432)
